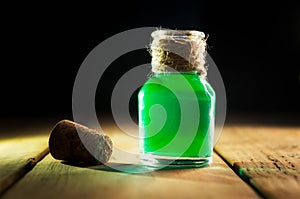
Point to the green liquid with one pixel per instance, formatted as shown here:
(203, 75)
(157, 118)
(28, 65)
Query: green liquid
(168, 122)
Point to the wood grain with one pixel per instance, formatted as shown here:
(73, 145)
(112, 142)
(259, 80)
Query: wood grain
(266, 157)
(18, 156)
(51, 178)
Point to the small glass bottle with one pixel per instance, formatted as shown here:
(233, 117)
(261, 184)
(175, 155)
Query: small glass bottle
(177, 104)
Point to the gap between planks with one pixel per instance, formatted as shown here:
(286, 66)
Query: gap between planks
(9, 180)
(267, 158)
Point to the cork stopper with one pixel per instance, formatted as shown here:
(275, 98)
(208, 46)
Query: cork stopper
(182, 50)
(72, 142)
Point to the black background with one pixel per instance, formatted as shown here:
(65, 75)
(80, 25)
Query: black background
(255, 45)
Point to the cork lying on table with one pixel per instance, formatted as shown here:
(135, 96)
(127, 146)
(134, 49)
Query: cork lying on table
(73, 142)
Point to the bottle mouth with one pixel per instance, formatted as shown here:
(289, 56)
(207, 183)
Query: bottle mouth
(192, 34)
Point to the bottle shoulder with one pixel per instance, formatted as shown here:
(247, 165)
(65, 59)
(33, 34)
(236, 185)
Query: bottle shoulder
(178, 83)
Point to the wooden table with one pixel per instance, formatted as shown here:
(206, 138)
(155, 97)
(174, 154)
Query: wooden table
(250, 161)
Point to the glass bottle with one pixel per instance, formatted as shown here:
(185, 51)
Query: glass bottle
(177, 104)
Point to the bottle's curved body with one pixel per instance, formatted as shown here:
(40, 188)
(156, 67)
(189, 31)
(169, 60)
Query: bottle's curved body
(176, 119)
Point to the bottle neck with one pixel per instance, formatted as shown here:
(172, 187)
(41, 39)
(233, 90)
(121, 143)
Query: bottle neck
(176, 73)
(182, 51)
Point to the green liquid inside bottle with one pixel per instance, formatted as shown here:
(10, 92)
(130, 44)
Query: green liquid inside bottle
(176, 119)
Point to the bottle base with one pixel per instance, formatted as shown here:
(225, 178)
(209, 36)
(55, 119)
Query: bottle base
(167, 162)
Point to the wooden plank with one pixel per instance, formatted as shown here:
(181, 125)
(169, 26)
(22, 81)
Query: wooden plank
(18, 156)
(267, 157)
(53, 179)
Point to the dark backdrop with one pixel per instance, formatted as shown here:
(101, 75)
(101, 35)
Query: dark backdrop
(256, 47)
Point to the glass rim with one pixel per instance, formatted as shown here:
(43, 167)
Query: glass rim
(178, 33)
